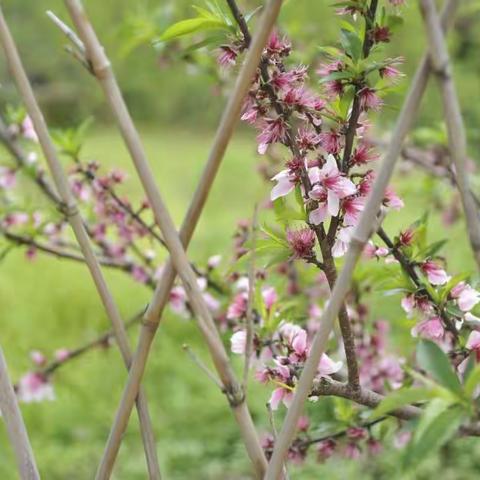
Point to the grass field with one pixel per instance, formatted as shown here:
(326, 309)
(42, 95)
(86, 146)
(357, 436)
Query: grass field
(50, 304)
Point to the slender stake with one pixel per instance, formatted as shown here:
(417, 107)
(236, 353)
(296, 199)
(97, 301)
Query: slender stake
(17, 433)
(76, 222)
(363, 232)
(453, 118)
(103, 72)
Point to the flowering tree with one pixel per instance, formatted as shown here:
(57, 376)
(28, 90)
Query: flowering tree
(275, 303)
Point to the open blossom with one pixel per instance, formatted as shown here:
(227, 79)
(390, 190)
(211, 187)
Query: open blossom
(238, 342)
(238, 308)
(473, 343)
(286, 182)
(327, 366)
(34, 387)
(392, 200)
(274, 130)
(227, 56)
(38, 358)
(369, 100)
(330, 186)
(364, 154)
(279, 395)
(435, 273)
(28, 131)
(62, 354)
(352, 207)
(431, 328)
(330, 141)
(301, 242)
(342, 242)
(7, 177)
(466, 296)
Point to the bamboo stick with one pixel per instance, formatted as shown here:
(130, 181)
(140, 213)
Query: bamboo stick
(76, 222)
(362, 233)
(102, 70)
(457, 139)
(17, 433)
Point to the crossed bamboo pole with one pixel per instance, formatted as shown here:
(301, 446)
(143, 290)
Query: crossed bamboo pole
(16, 430)
(101, 68)
(368, 221)
(76, 222)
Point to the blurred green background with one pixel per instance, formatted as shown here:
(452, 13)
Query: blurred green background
(51, 304)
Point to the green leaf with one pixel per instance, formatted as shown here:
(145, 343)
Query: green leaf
(192, 25)
(352, 44)
(434, 361)
(400, 398)
(472, 382)
(436, 427)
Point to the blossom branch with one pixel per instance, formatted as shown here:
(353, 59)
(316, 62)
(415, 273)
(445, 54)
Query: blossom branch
(362, 234)
(328, 264)
(76, 221)
(15, 426)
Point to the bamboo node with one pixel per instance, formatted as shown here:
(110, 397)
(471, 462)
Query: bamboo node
(69, 210)
(235, 395)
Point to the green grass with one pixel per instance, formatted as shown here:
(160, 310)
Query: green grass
(50, 304)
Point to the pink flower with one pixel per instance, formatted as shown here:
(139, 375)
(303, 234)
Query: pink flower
(238, 342)
(269, 296)
(277, 46)
(301, 242)
(238, 308)
(473, 342)
(436, 275)
(408, 304)
(178, 300)
(28, 131)
(227, 56)
(326, 448)
(330, 186)
(303, 423)
(342, 242)
(286, 182)
(431, 329)
(62, 354)
(214, 261)
(274, 131)
(353, 207)
(330, 141)
(33, 387)
(364, 154)
(7, 177)
(38, 358)
(352, 451)
(139, 274)
(280, 395)
(369, 100)
(466, 296)
(392, 200)
(327, 366)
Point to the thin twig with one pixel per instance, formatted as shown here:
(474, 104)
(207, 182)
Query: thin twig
(250, 301)
(102, 69)
(201, 364)
(453, 118)
(363, 232)
(76, 221)
(15, 426)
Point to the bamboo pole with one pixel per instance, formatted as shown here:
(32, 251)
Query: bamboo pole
(363, 231)
(102, 70)
(17, 433)
(457, 139)
(76, 222)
